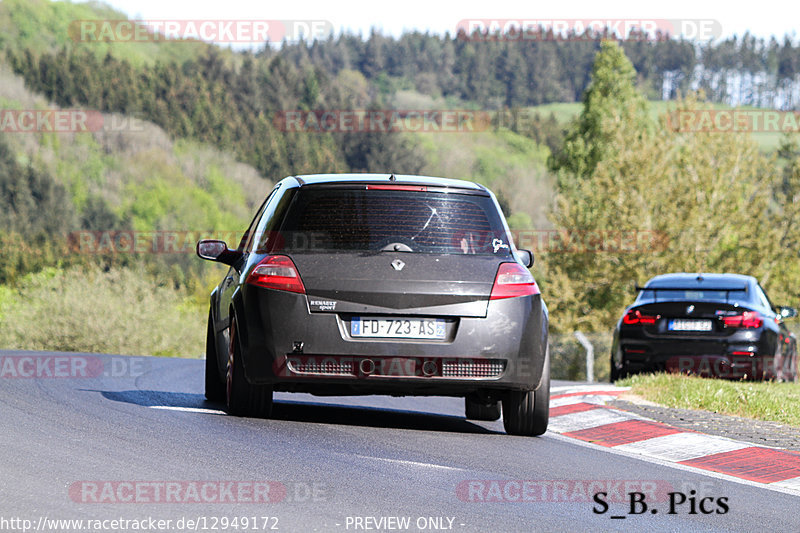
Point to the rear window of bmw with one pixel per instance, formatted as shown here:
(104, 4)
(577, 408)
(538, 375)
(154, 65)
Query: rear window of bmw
(662, 294)
(369, 220)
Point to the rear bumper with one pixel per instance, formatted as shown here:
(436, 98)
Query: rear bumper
(292, 349)
(729, 358)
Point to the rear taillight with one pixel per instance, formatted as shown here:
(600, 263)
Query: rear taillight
(636, 317)
(513, 280)
(748, 319)
(277, 272)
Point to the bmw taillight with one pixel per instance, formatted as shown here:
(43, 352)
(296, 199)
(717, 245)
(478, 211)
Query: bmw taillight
(748, 319)
(513, 280)
(636, 317)
(277, 272)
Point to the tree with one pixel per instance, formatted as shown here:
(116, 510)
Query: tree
(635, 200)
(610, 101)
(782, 270)
(31, 201)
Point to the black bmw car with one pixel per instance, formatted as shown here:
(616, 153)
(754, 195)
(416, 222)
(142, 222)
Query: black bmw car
(713, 325)
(379, 284)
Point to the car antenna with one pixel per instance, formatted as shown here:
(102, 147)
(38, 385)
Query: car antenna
(392, 177)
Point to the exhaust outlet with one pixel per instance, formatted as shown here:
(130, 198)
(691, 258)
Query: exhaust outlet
(366, 366)
(429, 368)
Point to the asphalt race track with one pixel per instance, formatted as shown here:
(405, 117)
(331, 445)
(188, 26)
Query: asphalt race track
(120, 442)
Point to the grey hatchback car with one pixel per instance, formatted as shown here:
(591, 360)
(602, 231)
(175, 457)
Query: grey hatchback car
(348, 284)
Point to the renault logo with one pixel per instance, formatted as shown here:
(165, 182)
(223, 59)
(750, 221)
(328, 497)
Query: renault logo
(398, 265)
(690, 310)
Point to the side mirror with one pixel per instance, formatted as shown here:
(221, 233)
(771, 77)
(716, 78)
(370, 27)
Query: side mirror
(786, 312)
(526, 256)
(214, 250)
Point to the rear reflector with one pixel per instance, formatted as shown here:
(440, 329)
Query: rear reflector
(513, 280)
(277, 272)
(748, 319)
(636, 317)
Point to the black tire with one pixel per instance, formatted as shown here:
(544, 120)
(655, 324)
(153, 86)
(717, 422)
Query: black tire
(480, 411)
(243, 398)
(527, 413)
(215, 387)
(779, 364)
(616, 375)
(792, 374)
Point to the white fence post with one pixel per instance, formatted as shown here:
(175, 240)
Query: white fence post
(589, 355)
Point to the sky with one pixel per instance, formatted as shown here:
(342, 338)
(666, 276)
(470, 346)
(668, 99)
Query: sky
(763, 19)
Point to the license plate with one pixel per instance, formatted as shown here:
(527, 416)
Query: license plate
(398, 328)
(690, 325)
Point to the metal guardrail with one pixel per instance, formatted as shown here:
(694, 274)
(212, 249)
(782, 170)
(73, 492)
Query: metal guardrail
(589, 355)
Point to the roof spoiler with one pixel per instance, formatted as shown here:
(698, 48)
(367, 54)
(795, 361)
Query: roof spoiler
(721, 289)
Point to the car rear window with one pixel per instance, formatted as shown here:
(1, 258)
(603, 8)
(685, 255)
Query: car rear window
(344, 220)
(738, 294)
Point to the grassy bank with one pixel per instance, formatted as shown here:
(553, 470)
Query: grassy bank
(86, 309)
(768, 141)
(777, 402)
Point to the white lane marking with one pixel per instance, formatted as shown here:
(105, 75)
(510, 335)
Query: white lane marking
(667, 450)
(683, 446)
(188, 409)
(586, 420)
(598, 399)
(775, 487)
(602, 387)
(793, 483)
(409, 463)
(569, 400)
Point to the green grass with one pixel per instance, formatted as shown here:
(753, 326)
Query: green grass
(768, 142)
(121, 311)
(563, 111)
(44, 26)
(150, 182)
(167, 199)
(777, 402)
